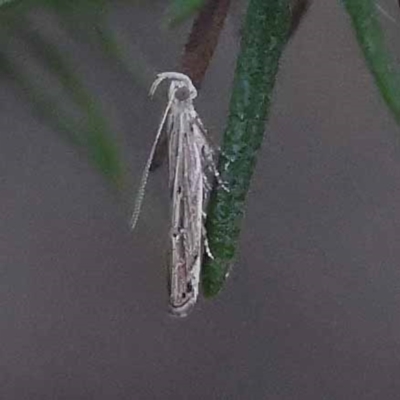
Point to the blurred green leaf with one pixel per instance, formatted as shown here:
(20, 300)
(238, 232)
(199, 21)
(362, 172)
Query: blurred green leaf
(91, 131)
(368, 30)
(45, 105)
(2, 2)
(98, 137)
(84, 20)
(182, 9)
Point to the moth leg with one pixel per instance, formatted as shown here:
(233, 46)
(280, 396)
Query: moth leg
(204, 237)
(211, 166)
(207, 152)
(227, 158)
(206, 184)
(207, 246)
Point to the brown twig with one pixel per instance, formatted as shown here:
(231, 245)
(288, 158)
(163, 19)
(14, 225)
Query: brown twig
(203, 39)
(199, 49)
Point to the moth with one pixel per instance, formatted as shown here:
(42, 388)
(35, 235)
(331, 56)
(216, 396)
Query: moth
(192, 169)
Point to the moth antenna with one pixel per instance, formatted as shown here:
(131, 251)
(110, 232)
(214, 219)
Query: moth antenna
(140, 195)
(173, 76)
(156, 83)
(146, 171)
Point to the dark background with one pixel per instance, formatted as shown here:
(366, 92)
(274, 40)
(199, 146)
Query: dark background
(311, 310)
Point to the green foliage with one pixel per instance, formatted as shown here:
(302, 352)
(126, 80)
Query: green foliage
(91, 132)
(3, 2)
(183, 9)
(265, 35)
(262, 43)
(363, 14)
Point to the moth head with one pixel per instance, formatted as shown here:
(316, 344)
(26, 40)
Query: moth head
(182, 90)
(181, 87)
(182, 93)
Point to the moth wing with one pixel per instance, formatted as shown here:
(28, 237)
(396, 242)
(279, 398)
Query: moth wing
(208, 156)
(186, 177)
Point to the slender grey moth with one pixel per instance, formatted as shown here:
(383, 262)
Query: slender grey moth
(191, 161)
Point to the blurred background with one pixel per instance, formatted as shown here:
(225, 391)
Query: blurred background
(311, 309)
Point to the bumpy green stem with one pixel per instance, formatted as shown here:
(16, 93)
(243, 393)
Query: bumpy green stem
(265, 34)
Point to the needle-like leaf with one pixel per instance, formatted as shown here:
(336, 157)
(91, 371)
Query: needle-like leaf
(265, 35)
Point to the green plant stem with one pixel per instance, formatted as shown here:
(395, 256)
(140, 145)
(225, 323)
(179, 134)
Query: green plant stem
(370, 37)
(264, 37)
